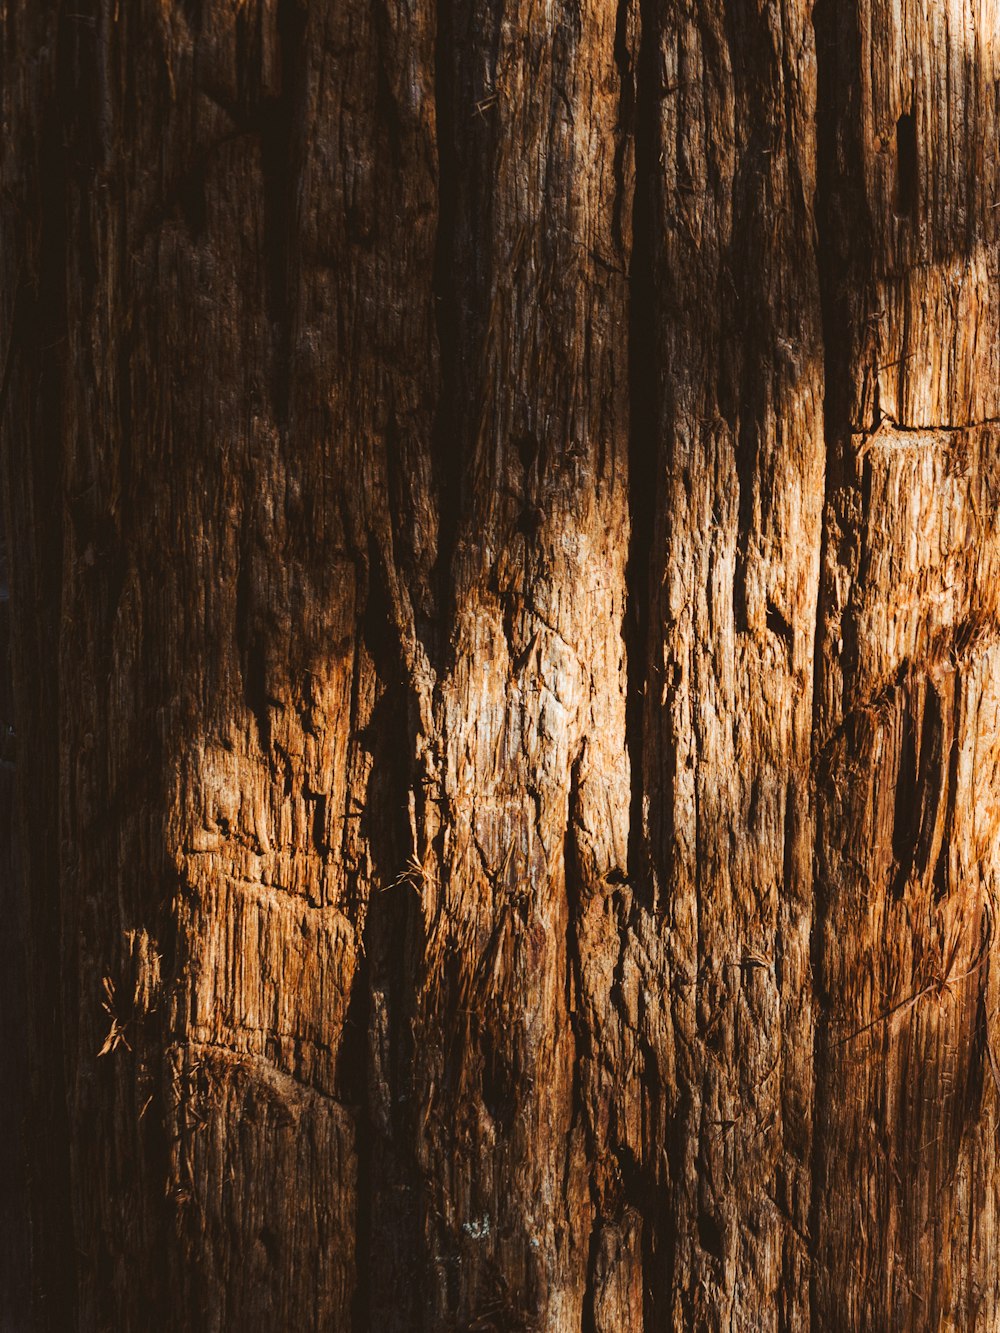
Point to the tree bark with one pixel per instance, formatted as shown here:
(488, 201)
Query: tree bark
(502, 512)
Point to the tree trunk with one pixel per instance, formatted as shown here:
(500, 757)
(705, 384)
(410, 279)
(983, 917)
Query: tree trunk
(502, 507)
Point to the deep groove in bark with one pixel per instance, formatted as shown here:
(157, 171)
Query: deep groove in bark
(824, 30)
(648, 867)
(447, 457)
(831, 262)
(386, 1229)
(353, 1077)
(644, 450)
(581, 1039)
(278, 119)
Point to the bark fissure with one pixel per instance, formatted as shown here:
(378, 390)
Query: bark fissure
(449, 459)
(825, 30)
(280, 119)
(638, 71)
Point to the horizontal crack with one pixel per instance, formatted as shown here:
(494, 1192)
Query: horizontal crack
(889, 423)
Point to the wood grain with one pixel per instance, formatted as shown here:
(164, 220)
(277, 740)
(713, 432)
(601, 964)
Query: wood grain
(501, 505)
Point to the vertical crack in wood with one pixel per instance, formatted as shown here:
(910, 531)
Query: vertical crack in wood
(638, 71)
(824, 34)
(448, 457)
(280, 121)
(827, 28)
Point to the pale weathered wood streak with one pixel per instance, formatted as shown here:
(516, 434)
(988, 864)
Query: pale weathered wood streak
(502, 504)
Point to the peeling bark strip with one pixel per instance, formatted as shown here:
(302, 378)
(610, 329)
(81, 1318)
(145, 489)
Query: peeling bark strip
(502, 517)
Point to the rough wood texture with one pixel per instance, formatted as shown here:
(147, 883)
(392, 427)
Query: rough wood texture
(502, 515)
(907, 729)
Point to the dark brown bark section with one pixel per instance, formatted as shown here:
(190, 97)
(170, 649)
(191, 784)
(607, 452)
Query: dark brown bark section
(34, 322)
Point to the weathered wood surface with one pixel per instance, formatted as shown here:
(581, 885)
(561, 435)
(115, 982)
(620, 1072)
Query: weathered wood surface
(907, 736)
(502, 514)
